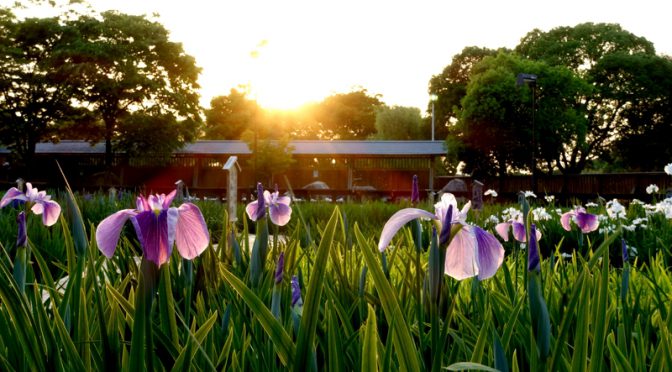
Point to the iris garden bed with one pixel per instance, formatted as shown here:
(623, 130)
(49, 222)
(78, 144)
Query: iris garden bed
(339, 303)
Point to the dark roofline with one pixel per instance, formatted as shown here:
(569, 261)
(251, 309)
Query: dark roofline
(301, 147)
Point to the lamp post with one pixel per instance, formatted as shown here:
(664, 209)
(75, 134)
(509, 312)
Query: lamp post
(433, 98)
(531, 80)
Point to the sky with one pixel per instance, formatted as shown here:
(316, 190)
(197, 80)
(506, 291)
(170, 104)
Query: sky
(293, 52)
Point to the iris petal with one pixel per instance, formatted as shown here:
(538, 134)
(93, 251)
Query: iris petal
(192, 235)
(503, 230)
(173, 216)
(37, 208)
(51, 212)
(280, 213)
(519, 231)
(587, 222)
(153, 232)
(12, 194)
(251, 210)
(490, 254)
(564, 220)
(283, 200)
(169, 199)
(142, 204)
(108, 230)
(399, 219)
(461, 255)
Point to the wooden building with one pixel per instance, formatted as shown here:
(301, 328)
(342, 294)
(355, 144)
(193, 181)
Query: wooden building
(373, 167)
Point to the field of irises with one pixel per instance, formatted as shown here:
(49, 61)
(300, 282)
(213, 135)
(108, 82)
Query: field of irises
(92, 282)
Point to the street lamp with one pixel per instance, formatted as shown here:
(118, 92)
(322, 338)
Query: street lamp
(433, 98)
(531, 80)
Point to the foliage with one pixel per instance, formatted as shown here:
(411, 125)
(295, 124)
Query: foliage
(34, 102)
(229, 116)
(450, 86)
(121, 64)
(601, 91)
(624, 71)
(375, 318)
(347, 116)
(270, 157)
(398, 123)
(497, 126)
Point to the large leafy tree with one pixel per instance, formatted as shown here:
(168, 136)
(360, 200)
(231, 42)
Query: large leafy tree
(450, 86)
(270, 157)
(615, 62)
(229, 116)
(398, 123)
(496, 130)
(648, 117)
(124, 67)
(347, 116)
(34, 102)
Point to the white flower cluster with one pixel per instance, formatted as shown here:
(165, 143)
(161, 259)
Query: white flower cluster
(652, 189)
(591, 204)
(668, 169)
(664, 207)
(540, 214)
(615, 209)
(491, 192)
(493, 220)
(530, 194)
(634, 224)
(511, 214)
(549, 198)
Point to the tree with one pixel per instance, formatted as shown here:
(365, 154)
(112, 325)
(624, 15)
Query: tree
(495, 129)
(229, 116)
(33, 101)
(450, 86)
(123, 65)
(613, 61)
(269, 156)
(648, 118)
(398, 123)
(347, 116)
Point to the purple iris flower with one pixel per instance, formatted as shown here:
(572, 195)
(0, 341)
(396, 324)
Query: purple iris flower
(472, 251)
(518, 228)
(278, 206)
(22, 237)
(587, 222)
(533, 262)
(296, 292)
(415, 193)
(39, 202)
(157, 226)
(280, 268)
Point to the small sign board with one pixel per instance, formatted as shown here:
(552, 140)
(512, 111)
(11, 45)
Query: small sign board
(477, 195)
(233, 168)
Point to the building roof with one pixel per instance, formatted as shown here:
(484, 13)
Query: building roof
(353, 148)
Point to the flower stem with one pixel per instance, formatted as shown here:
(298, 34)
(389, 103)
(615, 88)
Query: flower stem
(20, 267)
(141, 341)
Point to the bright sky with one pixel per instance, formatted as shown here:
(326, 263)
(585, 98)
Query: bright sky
(307, 50)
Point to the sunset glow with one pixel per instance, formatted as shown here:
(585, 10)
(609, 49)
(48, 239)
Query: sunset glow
(290, 53)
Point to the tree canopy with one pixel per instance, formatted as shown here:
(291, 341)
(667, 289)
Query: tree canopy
(229, 116)
(598, 89)
(398, 123)
(123, 66)
(33, 101)
(109, 76)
